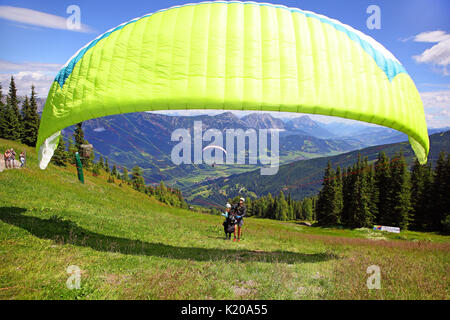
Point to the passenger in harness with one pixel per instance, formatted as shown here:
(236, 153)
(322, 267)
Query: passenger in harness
(229, 223)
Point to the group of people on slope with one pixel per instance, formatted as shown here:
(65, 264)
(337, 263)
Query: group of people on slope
(10, 158)
(234, 220)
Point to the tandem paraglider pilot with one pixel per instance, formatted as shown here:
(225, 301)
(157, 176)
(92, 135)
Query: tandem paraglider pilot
(239, 210)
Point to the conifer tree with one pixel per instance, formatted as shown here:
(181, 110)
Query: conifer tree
(401, 193)
(338, 194)
(30, 120)
(125, 175)
(347, 184)
(114, 171)
(421, 185)
(110, 179)
(298, 212)
(328, 212)
(290, 212)
(440, 193)
(445, 221)
(307, 209)
(2, 115)
(61, 155)
(71, 148)
(100, 162)
(12, 125)
(107, 168)
(362, 214)
(384, 187)
(270, 208)
(373, 194)
(137, 179)
(162, 191)
(78, 136)
(281, 210)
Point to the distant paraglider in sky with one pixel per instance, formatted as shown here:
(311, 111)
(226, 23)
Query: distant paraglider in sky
(214, 147)
(253, 56)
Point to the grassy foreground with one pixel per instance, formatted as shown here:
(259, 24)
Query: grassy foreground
(129, 246)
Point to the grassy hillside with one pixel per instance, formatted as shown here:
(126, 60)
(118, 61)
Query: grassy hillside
(129, 246)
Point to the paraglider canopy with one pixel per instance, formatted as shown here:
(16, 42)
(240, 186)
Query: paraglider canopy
(215, 147)
(234, 56)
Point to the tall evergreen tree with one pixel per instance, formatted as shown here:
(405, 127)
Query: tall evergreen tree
(137, 178)
(307, 209)
(421, 184)
(61, 155)
(440, 193)
(373, 193)
(125, 175)
(12, 125)
(384, 187)
(401, 193)
(71, 150)
(30, 120)
(100, 163)
(78, 136)
(270, 207)
(114, 171)
(298, 210)
(445, 221)
(360, 211)
(347, 185)
(328, 211)
(2, 115)
(282, 208)
(107, 168)
(338, 194)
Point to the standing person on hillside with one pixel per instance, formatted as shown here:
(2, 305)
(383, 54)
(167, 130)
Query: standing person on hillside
(6, 157)
(12, 158)
(230, 221)
(240, 211)
(22, 159)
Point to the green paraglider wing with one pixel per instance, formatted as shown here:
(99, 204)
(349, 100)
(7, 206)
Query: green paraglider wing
(234, 56)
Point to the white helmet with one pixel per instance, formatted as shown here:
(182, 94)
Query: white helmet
(228, 206)
(242, 199)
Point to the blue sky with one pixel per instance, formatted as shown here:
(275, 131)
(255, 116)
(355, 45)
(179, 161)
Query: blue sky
(35, 42)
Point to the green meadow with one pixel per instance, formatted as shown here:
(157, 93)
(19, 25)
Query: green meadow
(130, 246)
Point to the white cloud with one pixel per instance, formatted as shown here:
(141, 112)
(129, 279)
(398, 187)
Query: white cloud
(8, 66)
(431, 36)
(437, 108)
(439, 54)
(39, 19)
(41, 75)
(25, 79)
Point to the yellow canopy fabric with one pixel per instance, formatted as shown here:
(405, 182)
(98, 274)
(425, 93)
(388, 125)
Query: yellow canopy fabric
(234, 56)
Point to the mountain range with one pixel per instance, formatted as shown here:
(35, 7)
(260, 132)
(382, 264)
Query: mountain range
(144, 139)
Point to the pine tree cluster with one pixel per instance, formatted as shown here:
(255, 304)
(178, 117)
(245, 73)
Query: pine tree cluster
(279, 207)
(388, 193)
(19, 123)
